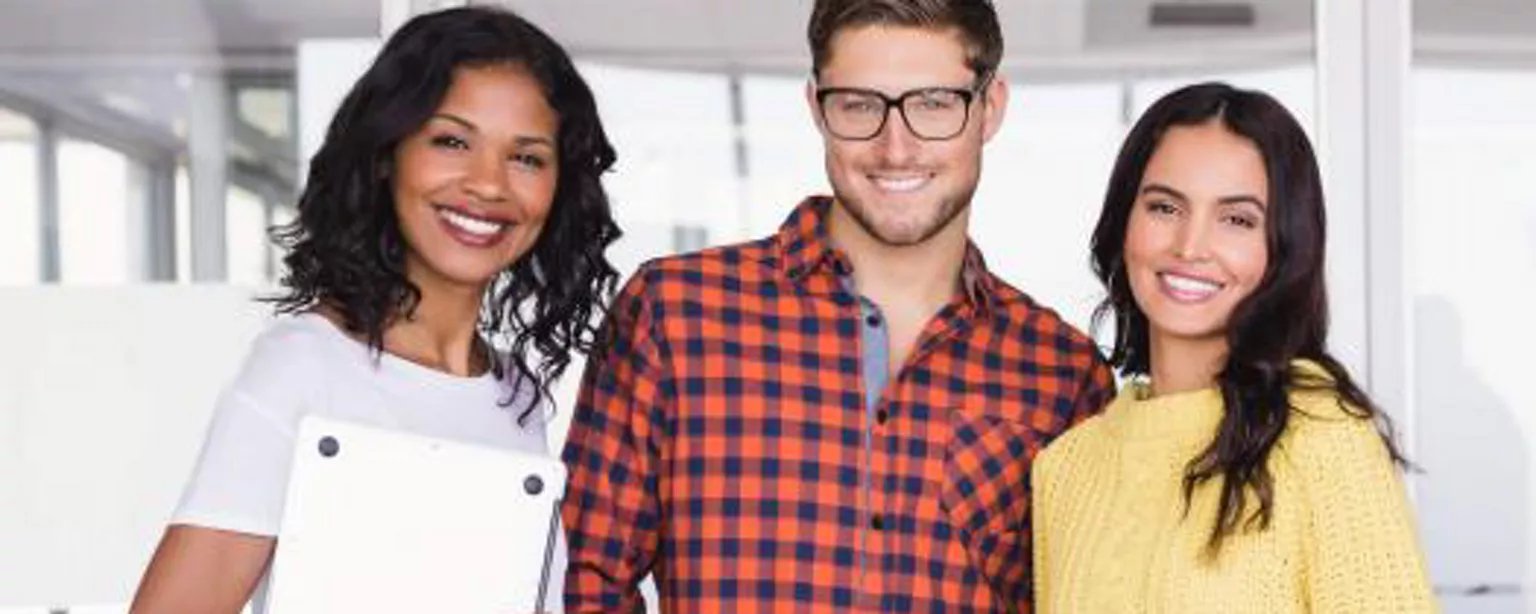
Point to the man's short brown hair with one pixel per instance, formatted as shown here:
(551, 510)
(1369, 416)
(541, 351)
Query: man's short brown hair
(976, 21)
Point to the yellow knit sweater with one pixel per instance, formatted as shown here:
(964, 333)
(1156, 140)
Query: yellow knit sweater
(1111, 536)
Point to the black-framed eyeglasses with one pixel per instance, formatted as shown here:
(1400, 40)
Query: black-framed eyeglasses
(931, 113)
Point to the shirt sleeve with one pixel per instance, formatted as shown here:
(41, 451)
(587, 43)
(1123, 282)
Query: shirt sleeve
(241, 476)
(1097, 391)
(611, 510)
(1094, 392)
(1362, 551)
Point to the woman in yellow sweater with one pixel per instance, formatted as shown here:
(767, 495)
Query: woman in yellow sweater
(1241, 469)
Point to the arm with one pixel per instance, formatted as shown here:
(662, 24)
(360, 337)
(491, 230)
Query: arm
(221, 537)
(611, 510)
(1362, 550)
(198, 570)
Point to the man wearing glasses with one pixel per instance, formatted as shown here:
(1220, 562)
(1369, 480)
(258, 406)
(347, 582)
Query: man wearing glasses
(839, 417)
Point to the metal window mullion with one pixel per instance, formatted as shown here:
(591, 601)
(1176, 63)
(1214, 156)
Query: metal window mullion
(161, 223)
(208, 165)
(1363, 54)
(50, 260)
(741, 151)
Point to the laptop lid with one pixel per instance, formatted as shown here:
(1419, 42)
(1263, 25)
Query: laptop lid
(386, 521)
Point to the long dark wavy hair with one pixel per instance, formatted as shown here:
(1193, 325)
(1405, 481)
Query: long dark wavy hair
(1285, 318)
(345, 249)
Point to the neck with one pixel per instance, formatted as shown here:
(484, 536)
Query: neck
(925, 275)
(441, 334)
(1182, 364)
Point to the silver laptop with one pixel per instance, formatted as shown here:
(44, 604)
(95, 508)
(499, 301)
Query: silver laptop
(383, 521)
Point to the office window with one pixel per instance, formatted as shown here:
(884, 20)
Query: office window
(183, 216)
(676, 165)
(98, 210)
(20, 227)
(784, 152)
(1294, 86)
(246, 223)
(1042, 187)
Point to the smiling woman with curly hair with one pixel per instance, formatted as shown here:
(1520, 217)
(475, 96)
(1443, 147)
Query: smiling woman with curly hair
(447, 261)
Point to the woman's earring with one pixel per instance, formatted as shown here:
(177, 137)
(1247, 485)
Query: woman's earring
(537, 266)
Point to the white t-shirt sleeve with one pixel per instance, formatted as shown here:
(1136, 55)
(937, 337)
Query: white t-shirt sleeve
(241, 477)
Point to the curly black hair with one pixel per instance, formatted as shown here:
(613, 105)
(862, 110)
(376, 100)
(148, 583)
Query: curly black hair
(345, 250)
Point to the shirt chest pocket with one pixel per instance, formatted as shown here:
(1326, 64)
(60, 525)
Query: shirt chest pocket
(986, 459)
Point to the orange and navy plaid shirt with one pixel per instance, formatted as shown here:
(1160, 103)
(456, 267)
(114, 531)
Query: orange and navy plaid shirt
(721, 440)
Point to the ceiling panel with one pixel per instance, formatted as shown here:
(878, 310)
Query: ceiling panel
(1059, 35)
(177, 26)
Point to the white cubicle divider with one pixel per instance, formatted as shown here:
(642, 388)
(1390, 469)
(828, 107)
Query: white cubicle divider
(105, 393)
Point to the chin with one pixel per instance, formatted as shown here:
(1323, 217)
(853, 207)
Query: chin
(912, 228)
(899, 234)
(464, 273)
(1190, 328)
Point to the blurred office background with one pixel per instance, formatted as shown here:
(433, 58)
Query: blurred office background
(145, 145)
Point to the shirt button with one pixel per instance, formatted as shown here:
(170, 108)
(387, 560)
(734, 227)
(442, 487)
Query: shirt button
(882, 415)
(872, 320)
(878, 522)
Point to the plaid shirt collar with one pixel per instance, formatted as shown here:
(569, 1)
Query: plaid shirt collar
(806, 251)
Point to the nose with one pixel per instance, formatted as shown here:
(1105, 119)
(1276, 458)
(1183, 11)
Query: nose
(1193, 242)
(896, 143)
(486, 177)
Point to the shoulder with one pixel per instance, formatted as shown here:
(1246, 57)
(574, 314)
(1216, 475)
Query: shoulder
(288, 359)
(1317, 405)
(678, 283)
(1322, 426)
(1052, 345)
(736, 261)
(1325, 432)
(1040, 324)
(291, 343)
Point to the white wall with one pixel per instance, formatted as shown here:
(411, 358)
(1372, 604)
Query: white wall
(1470, 208)
(1042, 186)
(104, 395)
